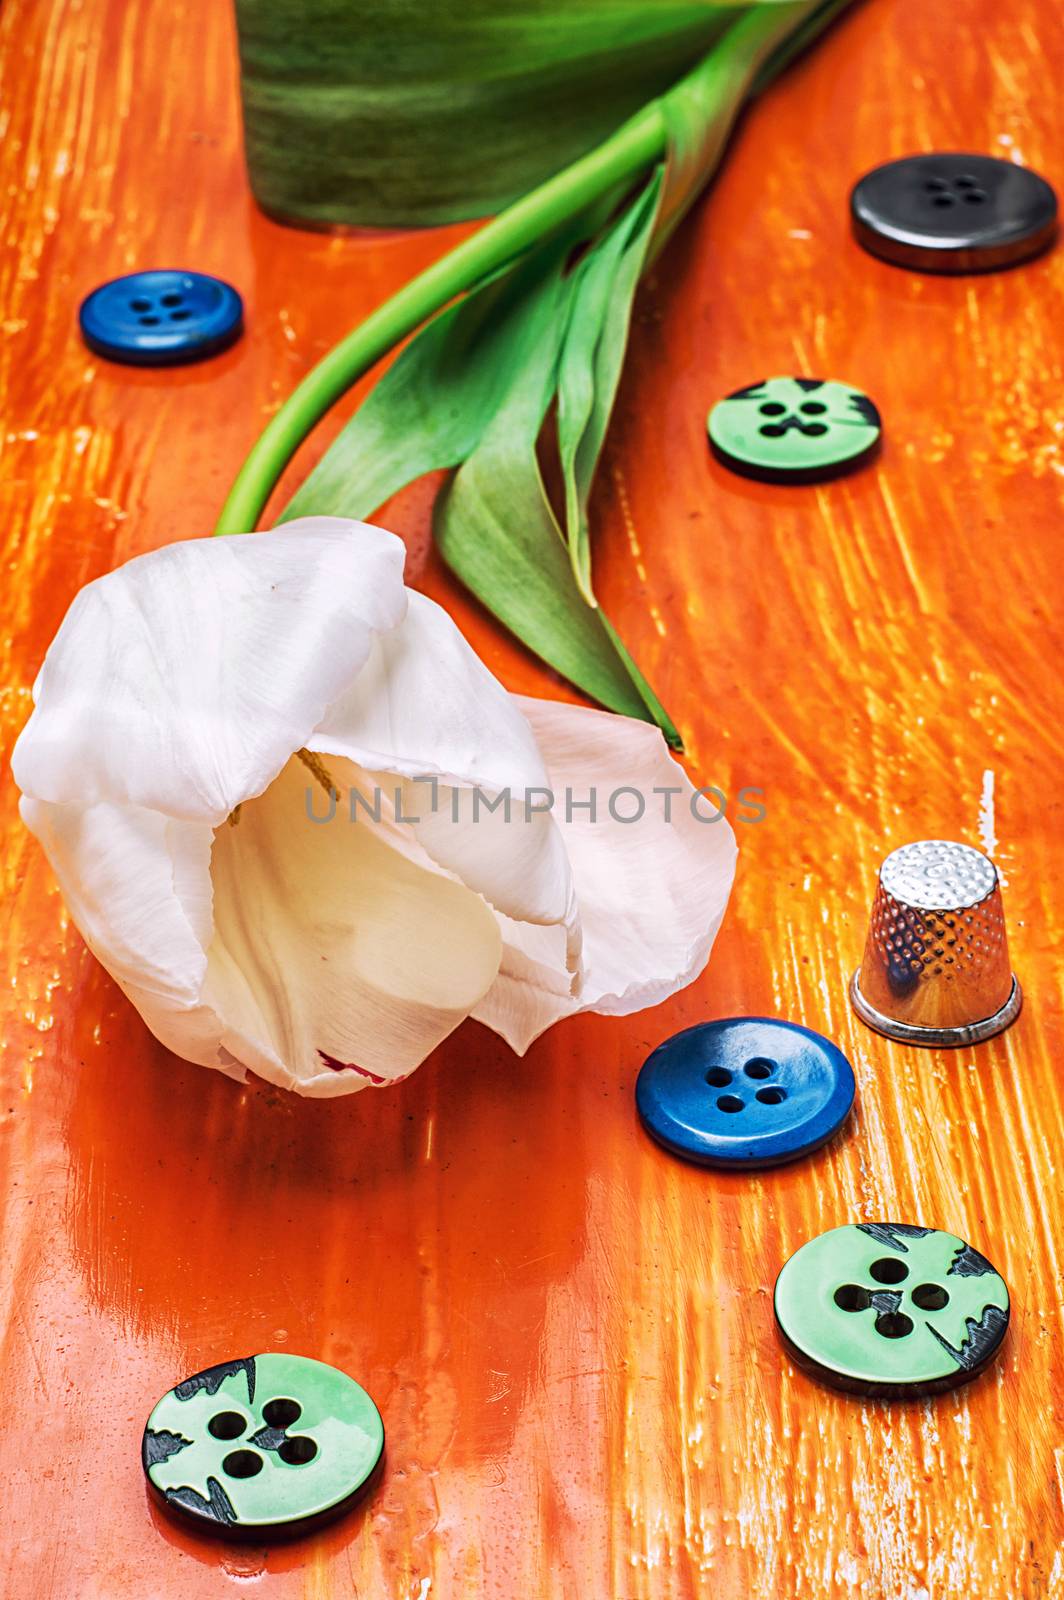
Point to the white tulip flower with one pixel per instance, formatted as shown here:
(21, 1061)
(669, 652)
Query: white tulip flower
(308, 832)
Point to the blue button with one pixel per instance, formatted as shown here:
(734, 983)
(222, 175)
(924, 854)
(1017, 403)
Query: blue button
(744, 1092)
(157, 319)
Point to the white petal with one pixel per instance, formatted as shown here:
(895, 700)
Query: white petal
(651, 893)
(349, 962)
(137, 886)
(334, 963)
(426, 706)
(183, 681)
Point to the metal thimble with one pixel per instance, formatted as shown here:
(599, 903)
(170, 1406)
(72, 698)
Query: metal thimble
(936, 967)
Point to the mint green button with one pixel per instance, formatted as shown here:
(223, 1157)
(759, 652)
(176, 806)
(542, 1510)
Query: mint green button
(268, 1443)
(794, 430)
(891, 1309)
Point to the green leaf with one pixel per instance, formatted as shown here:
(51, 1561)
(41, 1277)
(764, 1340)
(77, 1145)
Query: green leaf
(474, 382)
(700, 110)
(808, 31)
(496, 530)
(591, 360)
(430, 408)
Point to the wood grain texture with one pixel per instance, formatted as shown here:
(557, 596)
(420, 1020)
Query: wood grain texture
(569, 1333)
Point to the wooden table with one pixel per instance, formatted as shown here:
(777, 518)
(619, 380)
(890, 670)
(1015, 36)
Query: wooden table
(569, 1333)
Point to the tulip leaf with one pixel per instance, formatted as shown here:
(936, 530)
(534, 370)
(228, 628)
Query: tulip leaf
(517, 564)
(591, 361)
(473, 387)
(429, 410)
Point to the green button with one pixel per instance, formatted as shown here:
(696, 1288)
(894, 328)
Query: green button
(794, 430)
(886, 1308)
(269, 1443)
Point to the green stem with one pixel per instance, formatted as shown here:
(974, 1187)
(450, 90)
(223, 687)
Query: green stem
(619, 160)
(627, 153)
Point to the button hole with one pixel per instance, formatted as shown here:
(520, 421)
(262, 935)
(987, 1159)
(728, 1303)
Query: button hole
(150, 322)
(889, 1270)
(729, 1102)
(851, 1297)
(281, 1413)
(930, 1297)
(226, 1425)
(718, 1077)
(242, 1464)
(894, 1325)
(759, 1067)
(297, 1452)
(772, 1096)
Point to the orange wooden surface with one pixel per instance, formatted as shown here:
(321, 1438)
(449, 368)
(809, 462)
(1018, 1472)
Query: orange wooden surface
(569, 1333)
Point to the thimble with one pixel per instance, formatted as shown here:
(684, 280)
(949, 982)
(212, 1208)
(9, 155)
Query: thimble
(936, 967)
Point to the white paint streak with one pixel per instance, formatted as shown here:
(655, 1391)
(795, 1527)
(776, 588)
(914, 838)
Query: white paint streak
(986, 814)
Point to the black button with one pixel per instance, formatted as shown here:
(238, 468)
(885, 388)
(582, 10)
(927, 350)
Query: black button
(953, 213)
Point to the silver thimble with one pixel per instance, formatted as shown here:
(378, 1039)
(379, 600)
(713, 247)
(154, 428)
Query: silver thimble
(936, 967)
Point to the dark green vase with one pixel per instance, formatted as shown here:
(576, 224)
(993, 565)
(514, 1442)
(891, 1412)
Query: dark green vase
(383, 113)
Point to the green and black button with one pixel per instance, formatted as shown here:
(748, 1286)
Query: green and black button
(264, 1446)
(891, 1309)
(794, 430)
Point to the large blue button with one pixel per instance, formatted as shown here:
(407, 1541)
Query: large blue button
(744, 1092)
(157, 319)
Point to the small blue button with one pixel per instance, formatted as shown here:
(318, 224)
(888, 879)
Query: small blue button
(744, 1092)
(157, 319)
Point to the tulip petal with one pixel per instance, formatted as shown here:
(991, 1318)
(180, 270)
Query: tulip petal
(651, 892)
(350, 961)
(426, 707)
(137, 885)
(183, 681)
